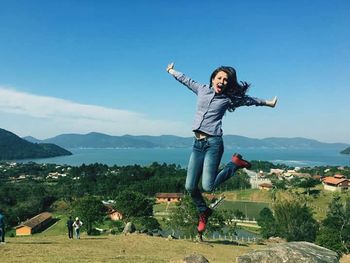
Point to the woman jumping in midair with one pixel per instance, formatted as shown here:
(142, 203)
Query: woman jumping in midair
(223, 93)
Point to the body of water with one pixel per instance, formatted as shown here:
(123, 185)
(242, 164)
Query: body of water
(146, 156)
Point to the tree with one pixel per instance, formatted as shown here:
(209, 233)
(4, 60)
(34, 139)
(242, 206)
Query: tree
(184, 218)
(308, 183)
(329, 238)
(279, 184)
(239, 214)
(295, 221)
(133, 204)
(90, 210)
(335, 228)
(146, 223)
(267, 222)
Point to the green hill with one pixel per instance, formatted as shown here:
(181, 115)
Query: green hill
(13, 147)
(346, 151)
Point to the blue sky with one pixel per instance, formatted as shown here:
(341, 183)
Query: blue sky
(82, 66)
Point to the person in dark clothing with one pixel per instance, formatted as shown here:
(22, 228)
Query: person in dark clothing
(2, 227)
(70, 227)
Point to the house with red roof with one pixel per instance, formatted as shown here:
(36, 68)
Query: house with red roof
(36, 224)
(335, 183)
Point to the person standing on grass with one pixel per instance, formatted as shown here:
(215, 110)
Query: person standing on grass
(2, 227)
(223, 93)
(77, 225)
(70, 227)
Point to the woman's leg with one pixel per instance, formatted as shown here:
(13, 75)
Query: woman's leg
(213, 150)
(213, 154)
(237, 162)
(226, 173)
(194, 172)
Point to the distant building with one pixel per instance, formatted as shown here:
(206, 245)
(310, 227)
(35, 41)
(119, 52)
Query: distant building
(265, 186)
(55, 175)
(277, 172)
(335, 183)
(302, 175)
(317, 177)
(34, 225)
(256, 181)
(289, 174)
(168, 197)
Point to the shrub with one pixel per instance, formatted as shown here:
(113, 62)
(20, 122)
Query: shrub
(117, 227)
(146, 224)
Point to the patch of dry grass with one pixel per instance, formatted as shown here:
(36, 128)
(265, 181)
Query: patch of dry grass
(125, 249)
(120, 248)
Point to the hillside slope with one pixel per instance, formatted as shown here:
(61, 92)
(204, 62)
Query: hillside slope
(13, 147)
(134, 248)
(346, 151)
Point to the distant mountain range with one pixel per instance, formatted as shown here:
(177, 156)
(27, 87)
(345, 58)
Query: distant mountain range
(13, 147)
(100, 140)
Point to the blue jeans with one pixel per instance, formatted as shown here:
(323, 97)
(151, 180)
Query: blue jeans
(204, 162)
(77, 233)
(2, 234)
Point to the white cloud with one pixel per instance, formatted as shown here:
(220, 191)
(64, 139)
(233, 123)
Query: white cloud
(29, 114)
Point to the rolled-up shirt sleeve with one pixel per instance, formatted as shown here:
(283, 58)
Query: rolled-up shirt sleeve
(250, 101)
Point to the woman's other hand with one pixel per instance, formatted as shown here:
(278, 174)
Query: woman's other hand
(271, 103)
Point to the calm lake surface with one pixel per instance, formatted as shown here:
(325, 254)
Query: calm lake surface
(147, 156)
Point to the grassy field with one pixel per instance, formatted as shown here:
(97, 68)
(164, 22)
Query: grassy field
(134, 248)
(318, 199)
(120, 248)
(53, 245)
(249, 201)
(254, 195)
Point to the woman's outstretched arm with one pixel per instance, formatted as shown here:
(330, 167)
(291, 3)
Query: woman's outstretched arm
(182, 78)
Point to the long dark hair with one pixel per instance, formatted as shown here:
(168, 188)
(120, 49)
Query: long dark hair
(234, 90)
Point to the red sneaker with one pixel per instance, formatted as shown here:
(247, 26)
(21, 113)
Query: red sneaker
(240, 162)
(203, 219)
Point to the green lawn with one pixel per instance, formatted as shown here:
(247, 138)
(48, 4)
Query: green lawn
(250, 209)
(58, 228)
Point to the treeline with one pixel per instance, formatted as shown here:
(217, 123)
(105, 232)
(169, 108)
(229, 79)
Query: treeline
(101, 180)
(107, 182)
(22, 199)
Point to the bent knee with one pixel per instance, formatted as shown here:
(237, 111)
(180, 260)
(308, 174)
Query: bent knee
(208, 187)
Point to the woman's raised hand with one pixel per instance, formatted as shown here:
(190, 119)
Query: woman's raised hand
(170, 67)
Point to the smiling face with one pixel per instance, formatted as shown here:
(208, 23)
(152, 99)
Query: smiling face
(219, 82)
